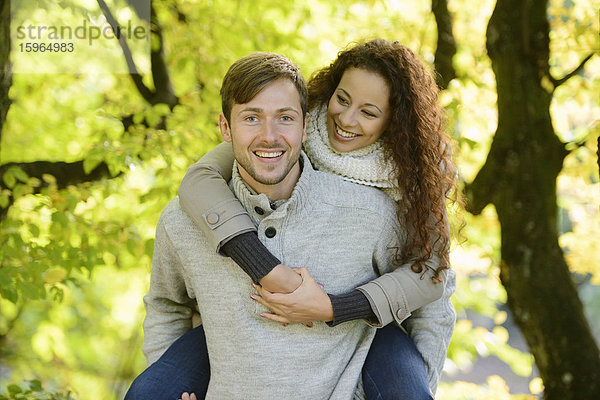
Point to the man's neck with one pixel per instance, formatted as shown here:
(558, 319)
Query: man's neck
(279, 191)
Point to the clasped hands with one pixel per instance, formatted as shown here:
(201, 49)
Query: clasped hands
(307, 303)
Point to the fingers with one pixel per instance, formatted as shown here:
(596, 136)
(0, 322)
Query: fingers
(276, 318)
(186, 396)
(262, 301)
(284, 321)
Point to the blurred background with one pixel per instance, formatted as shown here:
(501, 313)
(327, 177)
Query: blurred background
(90, 154)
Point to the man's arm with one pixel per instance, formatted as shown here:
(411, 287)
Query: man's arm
(169, 308)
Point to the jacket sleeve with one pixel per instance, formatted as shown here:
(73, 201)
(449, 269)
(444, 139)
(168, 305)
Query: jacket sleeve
(397, 293)
(169, 307)
(206, 197)
(430, 327)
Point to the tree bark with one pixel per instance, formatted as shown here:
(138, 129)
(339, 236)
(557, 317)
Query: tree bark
(5, 66)
(519, 178)
(446, 45)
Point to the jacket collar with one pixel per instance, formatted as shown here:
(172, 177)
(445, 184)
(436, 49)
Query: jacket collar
(254, 202)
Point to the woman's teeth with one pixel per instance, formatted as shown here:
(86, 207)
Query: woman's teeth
(345, 134)
(264, 154)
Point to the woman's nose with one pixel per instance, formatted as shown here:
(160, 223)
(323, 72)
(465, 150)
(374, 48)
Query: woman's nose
(347, 118)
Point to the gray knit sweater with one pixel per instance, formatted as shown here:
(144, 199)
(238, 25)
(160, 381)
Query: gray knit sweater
(251, 357)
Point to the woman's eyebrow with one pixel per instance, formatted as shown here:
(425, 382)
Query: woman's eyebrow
(366, 104)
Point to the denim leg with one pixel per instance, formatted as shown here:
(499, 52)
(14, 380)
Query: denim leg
(394, 368)
(182, 368)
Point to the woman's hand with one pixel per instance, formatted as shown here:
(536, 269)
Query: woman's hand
(186, 396)
(307, 303)
(281, 279)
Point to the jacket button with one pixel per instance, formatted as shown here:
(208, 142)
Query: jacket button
(259, 210)
(399, 314)
(212, 218)
(270, 232)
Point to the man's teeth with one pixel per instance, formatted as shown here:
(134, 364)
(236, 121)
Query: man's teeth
(345, 134)
(264, 154)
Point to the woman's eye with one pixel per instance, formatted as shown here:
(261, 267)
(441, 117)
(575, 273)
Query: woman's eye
(342, 100)
(369, 114)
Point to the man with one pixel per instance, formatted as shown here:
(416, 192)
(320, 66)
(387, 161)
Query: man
(304, 217)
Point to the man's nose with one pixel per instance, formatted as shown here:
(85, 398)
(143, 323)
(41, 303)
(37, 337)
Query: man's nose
(269, 132)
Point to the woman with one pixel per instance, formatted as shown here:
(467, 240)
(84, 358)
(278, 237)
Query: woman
(375, 121)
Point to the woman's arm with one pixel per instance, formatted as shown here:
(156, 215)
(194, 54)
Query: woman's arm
(431, 327)
(391, 297)
(395, 295)
(206, 197)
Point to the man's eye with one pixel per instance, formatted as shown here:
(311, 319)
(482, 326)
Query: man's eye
(287, 118)
(251, 118)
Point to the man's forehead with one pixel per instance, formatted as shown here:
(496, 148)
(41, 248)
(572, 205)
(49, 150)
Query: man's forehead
(280, 95)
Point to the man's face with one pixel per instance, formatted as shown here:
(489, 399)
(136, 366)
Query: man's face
(267, 135)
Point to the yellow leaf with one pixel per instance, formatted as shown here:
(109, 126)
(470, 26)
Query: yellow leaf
(54, 275)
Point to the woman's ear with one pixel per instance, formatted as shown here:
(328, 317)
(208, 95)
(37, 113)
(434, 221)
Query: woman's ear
(224, 127)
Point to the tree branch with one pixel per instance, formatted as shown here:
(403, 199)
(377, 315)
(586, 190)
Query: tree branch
(65, 173)
(558, 82)
(133, 71)
(479, 193)
(446, 45)
(5, 66)
(160, 73)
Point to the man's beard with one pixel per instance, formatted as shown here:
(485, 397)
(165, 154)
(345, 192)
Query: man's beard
(244, 160)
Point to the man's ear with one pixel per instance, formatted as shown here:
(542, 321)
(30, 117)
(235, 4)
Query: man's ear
(304, 128)
(224, 127)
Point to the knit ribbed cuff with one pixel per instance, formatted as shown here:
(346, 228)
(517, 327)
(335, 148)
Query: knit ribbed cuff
(350, 306)
(251, 255)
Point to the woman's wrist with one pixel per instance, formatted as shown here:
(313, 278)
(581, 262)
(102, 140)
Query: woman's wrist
(351, 306)
(281, 279)
(251, 255)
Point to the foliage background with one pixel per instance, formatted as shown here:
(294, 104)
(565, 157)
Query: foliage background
(75, 262)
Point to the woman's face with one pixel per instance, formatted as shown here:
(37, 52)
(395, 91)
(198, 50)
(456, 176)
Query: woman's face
(358, 111)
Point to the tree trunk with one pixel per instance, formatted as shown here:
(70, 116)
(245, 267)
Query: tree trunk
(446, 45)
(519, 178)
(5, 67)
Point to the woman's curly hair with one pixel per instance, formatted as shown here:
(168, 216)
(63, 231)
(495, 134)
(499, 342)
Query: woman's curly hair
(414, 142)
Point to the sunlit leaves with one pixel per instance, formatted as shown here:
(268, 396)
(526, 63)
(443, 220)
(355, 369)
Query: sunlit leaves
(76, 260)
(32, 390)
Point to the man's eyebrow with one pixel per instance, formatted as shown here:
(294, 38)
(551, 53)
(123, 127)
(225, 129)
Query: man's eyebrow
(260, 110)
(366, 104)
(288, 109)
(251, 109)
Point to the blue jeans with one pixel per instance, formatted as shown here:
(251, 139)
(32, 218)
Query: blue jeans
(394, 369)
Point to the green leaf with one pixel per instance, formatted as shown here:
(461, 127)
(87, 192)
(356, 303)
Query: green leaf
(9, 178)
(90, 163)
(4, 200)
(14, 389)
(35, 385)
(21, 175)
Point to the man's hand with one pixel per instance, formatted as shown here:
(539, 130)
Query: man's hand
(307, 303)
(281, 279)
(186, 396)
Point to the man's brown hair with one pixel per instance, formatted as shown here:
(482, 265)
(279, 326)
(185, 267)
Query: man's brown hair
(249, 75)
